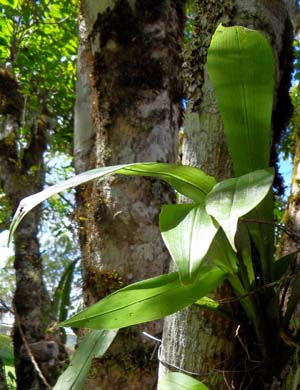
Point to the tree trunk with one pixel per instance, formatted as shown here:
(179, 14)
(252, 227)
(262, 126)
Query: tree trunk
(22, 174)
(127, 110)
(289, 242)
(197, 341)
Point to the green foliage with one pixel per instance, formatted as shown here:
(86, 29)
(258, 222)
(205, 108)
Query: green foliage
(7, 277)
(38, 47)
(62, 295)
(241, 68)
(94, 345)
(189, 181)
(7, 360)
(187, 253)
(6, 350)
(233, 198)
(179, 381)
(242, 250)
(147, 300)
(39, 44)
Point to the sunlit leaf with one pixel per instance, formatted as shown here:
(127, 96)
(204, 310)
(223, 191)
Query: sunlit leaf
(95, 344)
(187, 180)
(187, 231)
(180, 381)
(220, 253)
(241, 69)
(147, 300)
(233, 198)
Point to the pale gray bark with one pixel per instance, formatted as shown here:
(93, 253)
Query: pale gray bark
(193, 340)
(127, 110)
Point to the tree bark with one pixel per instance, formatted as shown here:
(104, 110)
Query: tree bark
(197, 341)
(22, 174)
(127, 110)
(288, 243)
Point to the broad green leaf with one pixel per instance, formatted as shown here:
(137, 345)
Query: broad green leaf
(241, 69)
(189, 181)
(233, 198)
(95, 344)
(179, 381)
(147, 300)
(221, 254)
(187, 231)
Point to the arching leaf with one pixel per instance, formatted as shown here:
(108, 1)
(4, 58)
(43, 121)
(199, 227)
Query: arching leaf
(189, 181)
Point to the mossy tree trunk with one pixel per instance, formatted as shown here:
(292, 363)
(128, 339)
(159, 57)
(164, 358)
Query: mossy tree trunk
(197, 341)
(289, 241)
(127, 110)
(22, 174)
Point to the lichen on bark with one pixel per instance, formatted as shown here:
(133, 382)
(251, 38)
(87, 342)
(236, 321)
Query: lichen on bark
(129, 53)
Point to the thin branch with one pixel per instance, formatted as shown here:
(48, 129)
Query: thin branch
(58, 22)
(30, 354)
(6, 307)
(255, 291)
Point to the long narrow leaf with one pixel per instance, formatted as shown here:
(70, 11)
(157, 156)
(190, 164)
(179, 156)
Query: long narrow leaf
(241, 69)
(62, 293)
(147, 300)
(235, 197)
(262, 234)
(187, 231)
(95, 344)
(243, 244)
(189, 181)
(179, 381)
